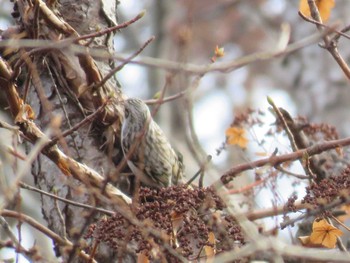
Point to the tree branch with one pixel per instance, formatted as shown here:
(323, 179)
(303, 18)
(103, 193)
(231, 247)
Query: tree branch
(278, 159)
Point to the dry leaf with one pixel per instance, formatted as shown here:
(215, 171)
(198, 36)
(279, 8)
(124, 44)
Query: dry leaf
(305, 242)
(210, 251)
(324, 8)
(237, 136)
(324, 234)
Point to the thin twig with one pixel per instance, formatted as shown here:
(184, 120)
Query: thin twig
(200, 171)
(299, 176)
(16, 153)
(340, 243)
(111, 29)
(314, 212)
(86, 120)
(58, 92)
(275, 160)
(332, 29)
(167, 99)
(191, 136)
(67, 201)
(60, 216)
(340, 223)
(226, 66)
(113, 71)
(251, 186)
(330, 46)
(9, 127)
(274, 211)
(19, 248)
(337, 36)
(29, 220)
(23, 169)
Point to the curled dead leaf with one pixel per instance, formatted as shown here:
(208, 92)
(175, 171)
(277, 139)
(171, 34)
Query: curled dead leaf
(324, 234)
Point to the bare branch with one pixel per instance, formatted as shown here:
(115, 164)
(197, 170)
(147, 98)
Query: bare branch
(29, 220)
(278, 159)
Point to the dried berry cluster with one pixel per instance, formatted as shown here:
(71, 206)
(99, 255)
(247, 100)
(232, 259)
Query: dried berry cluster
(249, 117)
(321, 131)
(328, 189)
(290, 205)
(325, 191)
(182, 217)
(315, 132)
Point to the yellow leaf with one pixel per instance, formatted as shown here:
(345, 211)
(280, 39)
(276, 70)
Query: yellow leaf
(324, 234)
(324, 8)
(237, 136)
(305, 242)
(210, 250)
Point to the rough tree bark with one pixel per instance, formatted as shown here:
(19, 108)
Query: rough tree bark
(56, 81)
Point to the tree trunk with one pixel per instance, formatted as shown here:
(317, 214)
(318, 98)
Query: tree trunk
(57, 83)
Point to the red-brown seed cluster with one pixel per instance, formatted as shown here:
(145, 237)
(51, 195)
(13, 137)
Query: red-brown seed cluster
(315, 132)
(328, 189)
(186, 216)
(249, 117)
(321, 131)
(290, 205)
(324, 192)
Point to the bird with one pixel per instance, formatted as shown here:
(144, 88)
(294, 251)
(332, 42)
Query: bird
(149, 154)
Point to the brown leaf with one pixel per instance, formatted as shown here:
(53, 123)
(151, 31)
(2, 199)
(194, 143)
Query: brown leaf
(324, 7)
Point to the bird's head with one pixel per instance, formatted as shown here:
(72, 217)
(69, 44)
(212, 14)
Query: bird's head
(136, 111)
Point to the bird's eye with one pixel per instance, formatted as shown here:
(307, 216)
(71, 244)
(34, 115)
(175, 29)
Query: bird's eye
(126, 113)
